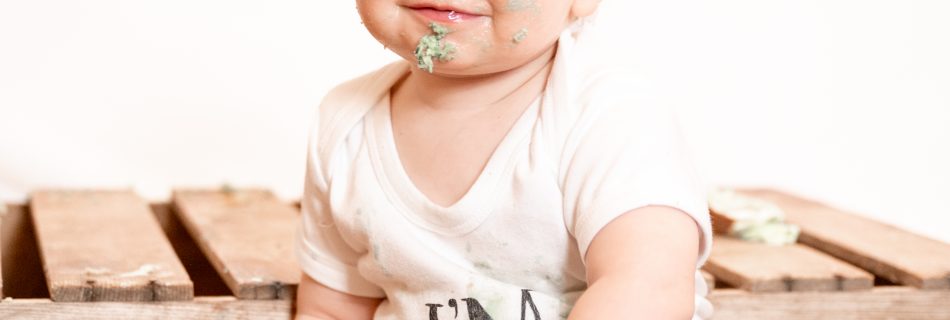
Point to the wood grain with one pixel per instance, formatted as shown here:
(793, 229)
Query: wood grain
(887, 251)
(248, 237)
(202, 308)
(880, 303)
(105, 246)
(759, 267)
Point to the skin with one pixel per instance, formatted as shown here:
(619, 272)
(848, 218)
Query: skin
(630, 275)
(482, 42)
(445, 137)
(317, 302)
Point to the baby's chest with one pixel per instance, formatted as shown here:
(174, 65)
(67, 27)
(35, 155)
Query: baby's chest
(521, 238)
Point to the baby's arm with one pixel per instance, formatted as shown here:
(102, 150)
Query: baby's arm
(317, 302)
(641, 266)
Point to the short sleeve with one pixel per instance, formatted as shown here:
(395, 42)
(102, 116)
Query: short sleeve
(623, 155)
(320, 249)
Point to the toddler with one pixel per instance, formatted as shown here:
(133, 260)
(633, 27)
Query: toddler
(503, 170)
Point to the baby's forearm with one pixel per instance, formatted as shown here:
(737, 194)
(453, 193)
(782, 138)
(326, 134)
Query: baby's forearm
(641, 266)
(625, 297)
(318, 302)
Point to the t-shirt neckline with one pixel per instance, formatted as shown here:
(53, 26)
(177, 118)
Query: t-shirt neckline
(476, 204)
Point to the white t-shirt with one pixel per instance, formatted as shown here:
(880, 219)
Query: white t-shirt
(590, 149)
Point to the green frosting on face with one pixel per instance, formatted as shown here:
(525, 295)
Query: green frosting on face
(432, 48)
(520, 35)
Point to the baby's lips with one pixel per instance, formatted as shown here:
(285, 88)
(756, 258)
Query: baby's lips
(445, 16)
(443, 13)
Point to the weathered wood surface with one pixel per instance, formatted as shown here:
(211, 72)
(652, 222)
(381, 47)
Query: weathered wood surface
(760, 267)
(887, 251)
(880, 303)
(202, 308)
(210, 218)
(248, 237)
(105, 246)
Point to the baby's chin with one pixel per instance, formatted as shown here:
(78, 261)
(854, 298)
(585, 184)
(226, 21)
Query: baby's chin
(460, 70)
(462, 66)
(473, 61)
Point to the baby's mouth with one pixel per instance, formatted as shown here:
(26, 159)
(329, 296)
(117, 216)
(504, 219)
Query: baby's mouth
(444, 14)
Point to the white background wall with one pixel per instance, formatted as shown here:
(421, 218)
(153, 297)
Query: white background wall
(846, 101)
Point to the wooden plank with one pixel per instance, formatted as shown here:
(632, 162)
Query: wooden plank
(759, 267)
(880, 303)
(202, 308)
(887, 251)
(105, 246)
(721, 223)
(248, 237)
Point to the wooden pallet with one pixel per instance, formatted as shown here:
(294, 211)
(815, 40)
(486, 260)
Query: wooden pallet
(207, 254)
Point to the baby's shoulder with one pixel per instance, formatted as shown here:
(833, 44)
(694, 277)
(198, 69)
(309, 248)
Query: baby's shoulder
(609, 97)
(345, 105)
(357, 95)
(341, 111)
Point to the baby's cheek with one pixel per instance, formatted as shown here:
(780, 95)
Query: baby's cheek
(493, 43)
(481, 41)
(378, 20)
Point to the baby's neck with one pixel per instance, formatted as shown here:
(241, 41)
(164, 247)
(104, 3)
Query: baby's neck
(518, 86)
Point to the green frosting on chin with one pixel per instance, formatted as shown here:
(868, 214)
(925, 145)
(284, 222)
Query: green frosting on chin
(431, 48)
